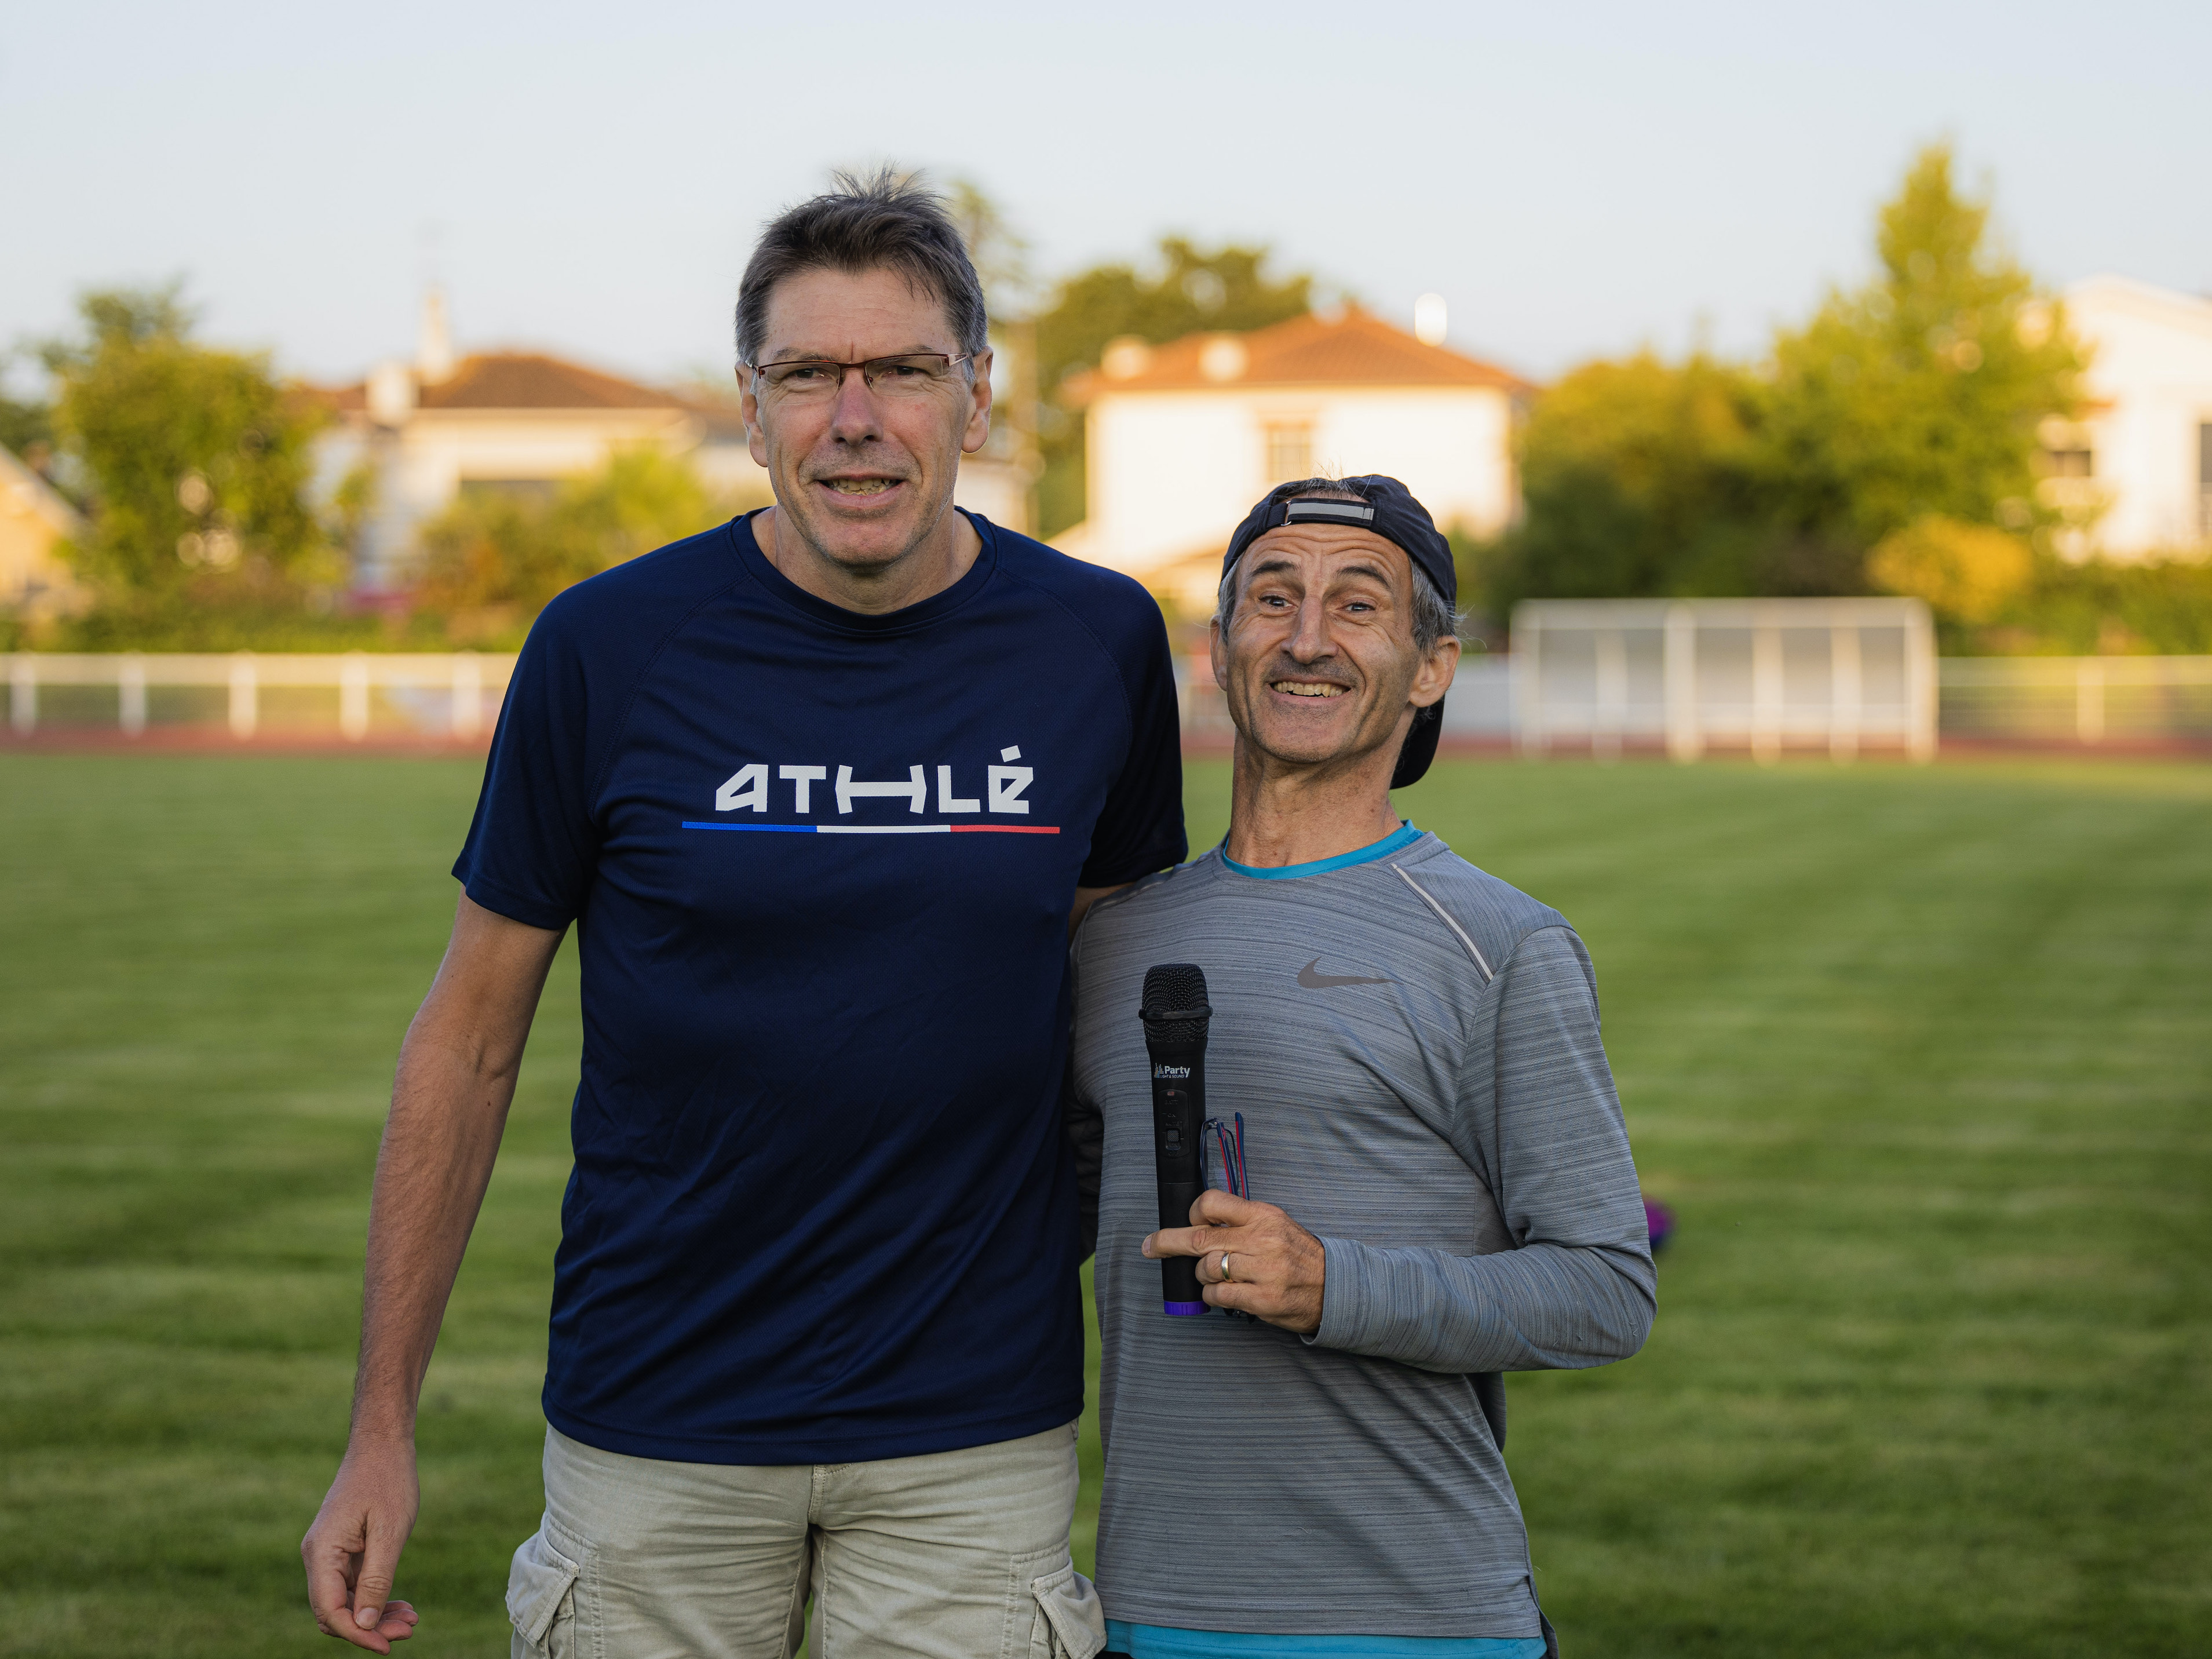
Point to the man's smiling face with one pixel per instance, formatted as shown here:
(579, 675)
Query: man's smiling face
(1317, 659)
(863, 477)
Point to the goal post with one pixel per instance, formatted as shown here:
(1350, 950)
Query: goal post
(1765, 676)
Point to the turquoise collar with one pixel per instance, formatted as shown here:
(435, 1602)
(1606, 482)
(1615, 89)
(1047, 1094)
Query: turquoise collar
(1403, 836)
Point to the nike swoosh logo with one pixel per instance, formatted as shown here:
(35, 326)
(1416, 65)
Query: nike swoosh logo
(1313, 981)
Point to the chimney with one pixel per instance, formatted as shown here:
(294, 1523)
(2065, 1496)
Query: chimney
(391, 392)
(1429, 319)
(434, 348)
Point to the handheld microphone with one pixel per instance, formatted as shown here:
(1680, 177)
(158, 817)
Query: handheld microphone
(1176, 1017)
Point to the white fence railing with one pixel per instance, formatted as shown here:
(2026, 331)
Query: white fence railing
(2090, 700)
(1605, 683)
(455, 694)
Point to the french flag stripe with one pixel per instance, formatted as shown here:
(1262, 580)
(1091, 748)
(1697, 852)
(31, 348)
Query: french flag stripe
(881, 829)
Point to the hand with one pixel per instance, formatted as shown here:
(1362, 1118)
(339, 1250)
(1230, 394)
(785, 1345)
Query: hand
(1275, 1267)
(353, 1549)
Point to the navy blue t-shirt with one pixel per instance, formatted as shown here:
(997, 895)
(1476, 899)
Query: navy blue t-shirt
(820, 865)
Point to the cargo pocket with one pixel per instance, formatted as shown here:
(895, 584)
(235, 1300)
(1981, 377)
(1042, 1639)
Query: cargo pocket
(1070, 1621)
(541, 1599)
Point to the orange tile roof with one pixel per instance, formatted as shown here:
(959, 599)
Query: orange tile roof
(508, 380)
(1356, 349)
(516, 379)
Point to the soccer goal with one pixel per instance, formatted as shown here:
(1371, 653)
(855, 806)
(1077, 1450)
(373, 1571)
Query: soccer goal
(1769, 676)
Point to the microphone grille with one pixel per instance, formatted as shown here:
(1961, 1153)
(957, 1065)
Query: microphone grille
(1173, 988)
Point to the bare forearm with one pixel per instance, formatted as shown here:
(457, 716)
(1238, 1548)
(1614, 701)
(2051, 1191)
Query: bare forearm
(448, 1109)
(449, 1103)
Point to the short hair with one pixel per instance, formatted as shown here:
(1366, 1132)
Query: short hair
(1433, 617)
(879, 221)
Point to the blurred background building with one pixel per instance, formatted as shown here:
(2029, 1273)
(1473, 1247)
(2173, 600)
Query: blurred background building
(2142, 450)
(1183, 438)
(437, 427)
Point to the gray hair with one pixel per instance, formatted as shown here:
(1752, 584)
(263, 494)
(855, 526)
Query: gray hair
(1433, 618)
(882, 220)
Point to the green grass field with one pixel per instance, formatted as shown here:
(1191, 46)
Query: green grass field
(1923, 1058)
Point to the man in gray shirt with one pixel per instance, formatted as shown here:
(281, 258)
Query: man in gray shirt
(1436, 1184)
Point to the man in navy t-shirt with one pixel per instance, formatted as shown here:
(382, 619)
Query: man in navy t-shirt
(823, 790)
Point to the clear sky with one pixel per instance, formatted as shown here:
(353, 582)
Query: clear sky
(1575, 179)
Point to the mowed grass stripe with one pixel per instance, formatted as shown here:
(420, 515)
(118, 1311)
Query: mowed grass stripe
(1921, 1058)
(1920, 1055)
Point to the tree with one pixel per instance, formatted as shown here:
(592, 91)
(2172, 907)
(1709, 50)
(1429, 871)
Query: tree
(1229, 289)
(1914, 398)
(1001, 254)
(26, 426)
(491, 560)
(1968, 573)
(1919, 393)
(196, 462)
(1638, 480)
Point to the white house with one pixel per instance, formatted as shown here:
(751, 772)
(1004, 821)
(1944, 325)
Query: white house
(1183, 438)
(431, 428)
(2143, 449)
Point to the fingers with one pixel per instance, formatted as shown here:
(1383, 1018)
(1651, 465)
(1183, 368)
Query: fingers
(1251, 1268)
(1222, 1209)
(1177, 1241)
(1232, 1220)
(352, 1551)
(398, 1621)
(1271, 1268)
(379, 1563)
(331, 1560)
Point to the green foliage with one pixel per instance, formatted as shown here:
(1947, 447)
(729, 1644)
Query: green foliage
(492, 559)
(196, 462)
(122, 316)
(1920, 392)
(274, 619)
(27, 424)
(1916, 395)
(1638, 476)
(1000, 253)
(1229, 289)
(1967, 573)
(2100, 607)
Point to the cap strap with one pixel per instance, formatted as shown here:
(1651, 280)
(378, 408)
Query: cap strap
(1359, 512)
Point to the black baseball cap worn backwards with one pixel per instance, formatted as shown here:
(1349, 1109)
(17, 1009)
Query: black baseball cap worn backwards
(1387, 507)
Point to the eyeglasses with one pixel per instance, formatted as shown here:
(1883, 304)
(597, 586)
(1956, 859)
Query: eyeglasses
(910, 374)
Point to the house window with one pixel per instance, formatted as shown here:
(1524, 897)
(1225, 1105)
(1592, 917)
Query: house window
(2068, 463)
(1290, 451)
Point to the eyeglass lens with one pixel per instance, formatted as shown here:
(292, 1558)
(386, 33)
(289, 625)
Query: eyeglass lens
(891, 377)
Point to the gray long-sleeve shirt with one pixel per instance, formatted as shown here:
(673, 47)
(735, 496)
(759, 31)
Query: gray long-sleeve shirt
(1414, 1047)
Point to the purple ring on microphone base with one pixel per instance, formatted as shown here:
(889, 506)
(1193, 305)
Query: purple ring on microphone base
(1186, 1307)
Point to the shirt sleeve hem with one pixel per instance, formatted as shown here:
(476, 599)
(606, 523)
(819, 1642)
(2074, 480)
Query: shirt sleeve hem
(1136, 869)
(515, 908)
(1346, 1296)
